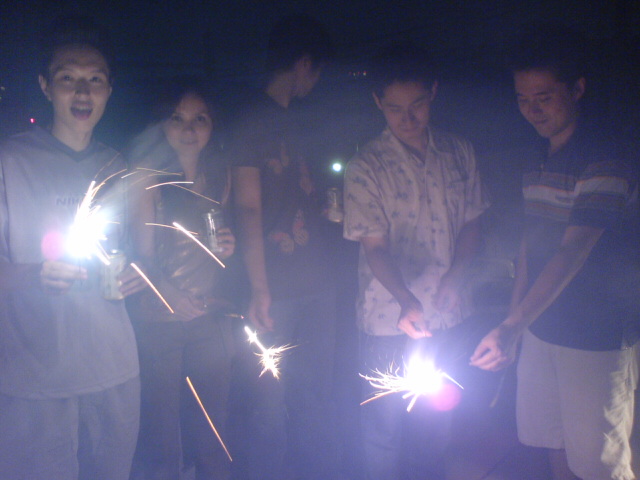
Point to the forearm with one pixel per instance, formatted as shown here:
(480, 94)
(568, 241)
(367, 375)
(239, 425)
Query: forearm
(467, 246)
(387, 273)
(521, 278)
(250, 232)
(555, 276)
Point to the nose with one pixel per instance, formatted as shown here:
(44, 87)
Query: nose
(188, 127)
(534, 108)
(82, 87)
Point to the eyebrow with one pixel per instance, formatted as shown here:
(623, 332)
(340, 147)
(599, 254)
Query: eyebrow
(417, 100)
(71, 66)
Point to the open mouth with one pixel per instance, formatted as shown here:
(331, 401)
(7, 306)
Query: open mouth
(81, 113)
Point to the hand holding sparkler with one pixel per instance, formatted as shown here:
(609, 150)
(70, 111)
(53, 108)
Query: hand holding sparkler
(411, 320)
(258, 311)
(498, 348)
(57, 277)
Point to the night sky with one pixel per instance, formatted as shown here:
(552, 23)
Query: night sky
(224, 41)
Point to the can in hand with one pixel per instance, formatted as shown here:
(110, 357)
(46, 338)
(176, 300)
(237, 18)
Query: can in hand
(335, 213)
(109, 284)
(213, 221)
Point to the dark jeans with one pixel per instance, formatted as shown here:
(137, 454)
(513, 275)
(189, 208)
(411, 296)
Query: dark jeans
(399, 445)
(172, 423)
(285, 428)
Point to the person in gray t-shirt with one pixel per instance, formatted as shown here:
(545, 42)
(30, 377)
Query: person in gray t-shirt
(69, 386)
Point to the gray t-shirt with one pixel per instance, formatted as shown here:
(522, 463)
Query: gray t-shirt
(54, 346)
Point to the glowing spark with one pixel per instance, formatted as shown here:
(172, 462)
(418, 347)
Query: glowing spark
(179, 182)
(153, 287)
(421, 379)
(87, 230)
(198, 242)
(166, 226)
(195, 394)
(269, 357)
(197, 194)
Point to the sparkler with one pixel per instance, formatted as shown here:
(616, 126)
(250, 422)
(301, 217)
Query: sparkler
(195, 394)
(88, 228)
(421, 378)
(152, 286)
(269, 357)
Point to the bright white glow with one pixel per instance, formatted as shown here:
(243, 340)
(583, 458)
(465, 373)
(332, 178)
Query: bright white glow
(421, 378)
(337, 166)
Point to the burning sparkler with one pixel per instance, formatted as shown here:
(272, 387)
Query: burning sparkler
(269, 357)
(89, 224)
(421, 378)
(215, 431)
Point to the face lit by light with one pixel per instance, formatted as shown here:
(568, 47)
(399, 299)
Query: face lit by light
(549, 105)
(189, 127)
(406, 107)
(78, 86)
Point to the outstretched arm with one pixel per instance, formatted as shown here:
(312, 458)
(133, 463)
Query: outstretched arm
(248, 202)
(497, 349)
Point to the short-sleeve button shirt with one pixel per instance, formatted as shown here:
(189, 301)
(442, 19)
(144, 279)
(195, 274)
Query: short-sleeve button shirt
(420, 205)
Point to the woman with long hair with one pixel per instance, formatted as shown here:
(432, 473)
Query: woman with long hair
(179, 179)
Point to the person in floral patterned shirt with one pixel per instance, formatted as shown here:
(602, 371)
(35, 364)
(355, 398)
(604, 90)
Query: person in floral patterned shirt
(413, 199)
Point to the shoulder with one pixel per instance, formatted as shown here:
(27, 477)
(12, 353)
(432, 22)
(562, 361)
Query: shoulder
(450, 142)
(23, 141)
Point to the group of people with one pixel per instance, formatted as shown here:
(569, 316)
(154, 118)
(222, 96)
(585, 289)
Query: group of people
(93, 387)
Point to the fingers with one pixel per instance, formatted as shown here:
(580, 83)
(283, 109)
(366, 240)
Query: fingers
(131, 282)
(491, 358)
(58, 277)
(226, 241)
(413, 330)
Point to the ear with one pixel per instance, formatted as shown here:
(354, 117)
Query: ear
(579, 88)
(44, 86)
(377, 100)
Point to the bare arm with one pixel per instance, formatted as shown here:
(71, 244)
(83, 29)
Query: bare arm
(497, 349)
(467, 244)
(411, 319)
(248, 201)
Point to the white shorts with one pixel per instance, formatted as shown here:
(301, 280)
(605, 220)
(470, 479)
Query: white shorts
(580, 401)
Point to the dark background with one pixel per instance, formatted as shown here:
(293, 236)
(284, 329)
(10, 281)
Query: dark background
(224, 41)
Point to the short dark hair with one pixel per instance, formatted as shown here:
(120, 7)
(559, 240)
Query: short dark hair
(402, 62)
(80, 31)
(554, 48)
(175, 89)
(294, 36)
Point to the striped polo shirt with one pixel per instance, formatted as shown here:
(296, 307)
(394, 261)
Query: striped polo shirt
(583, 184)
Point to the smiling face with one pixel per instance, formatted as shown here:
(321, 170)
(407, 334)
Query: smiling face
(549, 105)
(189, 127)
(406, 107)
(78, 85)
